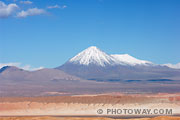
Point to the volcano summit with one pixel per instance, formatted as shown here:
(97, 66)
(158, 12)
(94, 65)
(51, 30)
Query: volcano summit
(93, 63)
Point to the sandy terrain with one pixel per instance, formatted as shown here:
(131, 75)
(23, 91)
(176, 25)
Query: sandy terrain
(87, 104)
(86, 118)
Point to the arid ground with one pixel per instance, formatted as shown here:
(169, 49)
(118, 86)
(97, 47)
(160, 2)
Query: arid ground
(88, 105)
(85, 118)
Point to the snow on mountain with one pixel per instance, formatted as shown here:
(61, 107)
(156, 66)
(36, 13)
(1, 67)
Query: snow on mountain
(129, 60)
(175, 66)
(93, 55)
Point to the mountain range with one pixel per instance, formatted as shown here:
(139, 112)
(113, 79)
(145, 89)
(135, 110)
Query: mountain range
(94, 64)
(91, 71)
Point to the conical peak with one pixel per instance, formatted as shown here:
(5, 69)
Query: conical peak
(92, 47)
(92, 55)
(93, 50)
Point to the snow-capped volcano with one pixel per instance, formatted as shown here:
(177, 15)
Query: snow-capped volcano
(94, 64)
(129, 60)
(93, 55)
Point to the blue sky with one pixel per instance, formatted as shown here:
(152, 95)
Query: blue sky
(49, 32)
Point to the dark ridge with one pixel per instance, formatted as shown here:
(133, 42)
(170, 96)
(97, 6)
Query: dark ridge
(160, 80)
(114, 80)
(133, 81)
(4, 68)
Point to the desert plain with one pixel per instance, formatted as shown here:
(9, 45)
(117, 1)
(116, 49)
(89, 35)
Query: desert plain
(85, 107)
